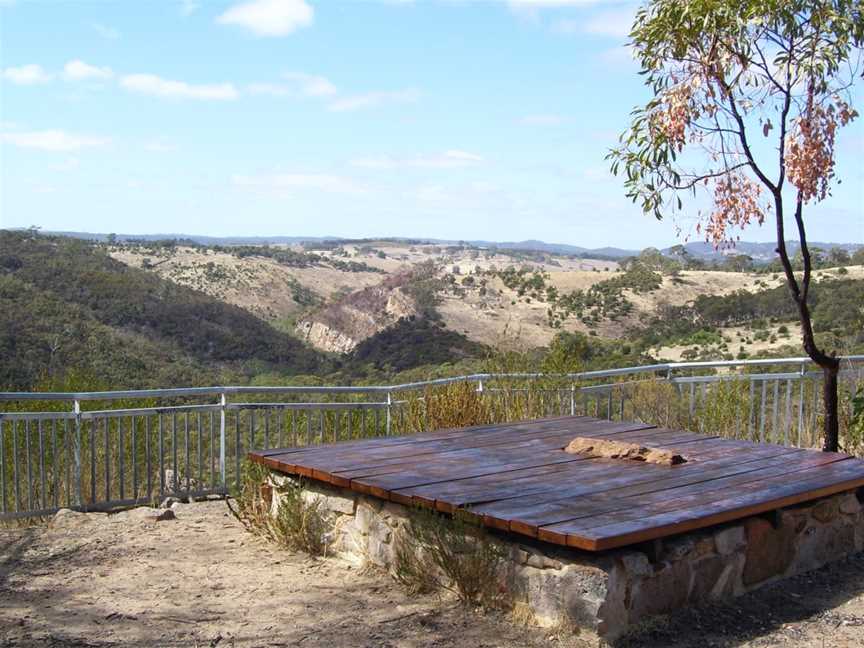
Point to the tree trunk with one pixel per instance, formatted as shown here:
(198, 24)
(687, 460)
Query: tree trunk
(831, 442)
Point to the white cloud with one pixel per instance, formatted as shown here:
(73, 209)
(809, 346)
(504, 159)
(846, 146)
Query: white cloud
(312, 85)
(542, 120)
(451, 159)
(299, 84)
(78, 70)
(373, 99)
(106, 32)
(151, 84)
(287, 182)
(269, 17)
(31, 74)
(54, 140)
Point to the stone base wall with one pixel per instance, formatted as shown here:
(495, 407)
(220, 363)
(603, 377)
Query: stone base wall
(606, 593)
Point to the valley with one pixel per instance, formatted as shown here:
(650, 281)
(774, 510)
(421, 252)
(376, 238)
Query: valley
(139, 313)
(335, 310)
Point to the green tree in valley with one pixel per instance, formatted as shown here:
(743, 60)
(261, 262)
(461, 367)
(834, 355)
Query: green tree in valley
(749, 97)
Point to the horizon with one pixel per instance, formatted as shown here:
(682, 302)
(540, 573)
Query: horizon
(452, 121)
(274, 238)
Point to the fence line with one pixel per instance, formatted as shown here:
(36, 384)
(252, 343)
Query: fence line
(158, 442)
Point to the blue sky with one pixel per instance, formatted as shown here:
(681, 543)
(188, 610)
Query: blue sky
(459, 120)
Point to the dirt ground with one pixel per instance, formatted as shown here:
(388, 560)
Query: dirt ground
(201, 580)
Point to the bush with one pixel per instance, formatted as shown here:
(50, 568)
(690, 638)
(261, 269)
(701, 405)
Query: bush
(298, 524)
(435, 551)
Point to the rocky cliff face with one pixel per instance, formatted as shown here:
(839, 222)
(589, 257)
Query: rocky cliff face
(340, 327)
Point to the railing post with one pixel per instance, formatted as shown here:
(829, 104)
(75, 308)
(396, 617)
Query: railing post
(223, 401)
(389, 403)
(479, 385)
(572, 400)
(76, 451)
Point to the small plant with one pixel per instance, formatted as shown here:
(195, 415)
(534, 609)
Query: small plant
(855, 435)
(452, 553)
(297, 523)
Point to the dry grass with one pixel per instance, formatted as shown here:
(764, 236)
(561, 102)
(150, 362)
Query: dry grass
(295, 523)
(438, 552)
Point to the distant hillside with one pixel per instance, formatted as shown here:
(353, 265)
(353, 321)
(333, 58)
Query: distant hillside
(760, 252)
(194, 238)
(65, 304)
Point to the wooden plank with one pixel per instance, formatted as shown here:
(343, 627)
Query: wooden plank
(554, 441)
(530, 508)
(346, 461)
(635, 501)
(420, 437)
(500, 452)
(298, 463)
(559, 483)
(450, 466)
(744, 501)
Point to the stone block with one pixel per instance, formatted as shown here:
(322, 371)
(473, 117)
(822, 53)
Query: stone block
(849, 504)
(665, 591)
(331, 503)
(730, 540)
(365, 516)
(583, 592)
(706, 575)
(729, 583)
(859, 533)
(535, 558)
(821, 544)
(636, 564)
(541, 589)
(826, 511)
(769, 551)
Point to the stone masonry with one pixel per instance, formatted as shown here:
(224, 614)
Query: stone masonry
(604, 594)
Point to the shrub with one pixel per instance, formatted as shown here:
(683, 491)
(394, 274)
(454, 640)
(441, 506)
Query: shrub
(297, 523)
(435, 551)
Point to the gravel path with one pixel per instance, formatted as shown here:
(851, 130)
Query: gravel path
(200, 580)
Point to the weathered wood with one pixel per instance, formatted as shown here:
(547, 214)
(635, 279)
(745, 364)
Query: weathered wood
(518, 478)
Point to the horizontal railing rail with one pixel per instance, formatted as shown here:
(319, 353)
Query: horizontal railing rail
(184, 392)
(159, 443)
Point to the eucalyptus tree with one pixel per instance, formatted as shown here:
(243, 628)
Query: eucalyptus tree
(749, 97)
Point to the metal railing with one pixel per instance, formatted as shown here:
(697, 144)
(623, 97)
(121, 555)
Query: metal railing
(101, 450)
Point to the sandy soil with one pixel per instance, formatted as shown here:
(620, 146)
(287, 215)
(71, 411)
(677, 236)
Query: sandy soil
(201, 580)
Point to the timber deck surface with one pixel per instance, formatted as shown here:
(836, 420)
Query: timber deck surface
(517, 478)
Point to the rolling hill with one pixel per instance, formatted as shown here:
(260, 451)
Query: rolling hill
(65, 304)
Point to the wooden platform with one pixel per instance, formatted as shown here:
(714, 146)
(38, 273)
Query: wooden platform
(516, 477)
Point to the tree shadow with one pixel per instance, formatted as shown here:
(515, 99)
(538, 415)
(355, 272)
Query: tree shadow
(14, 547)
